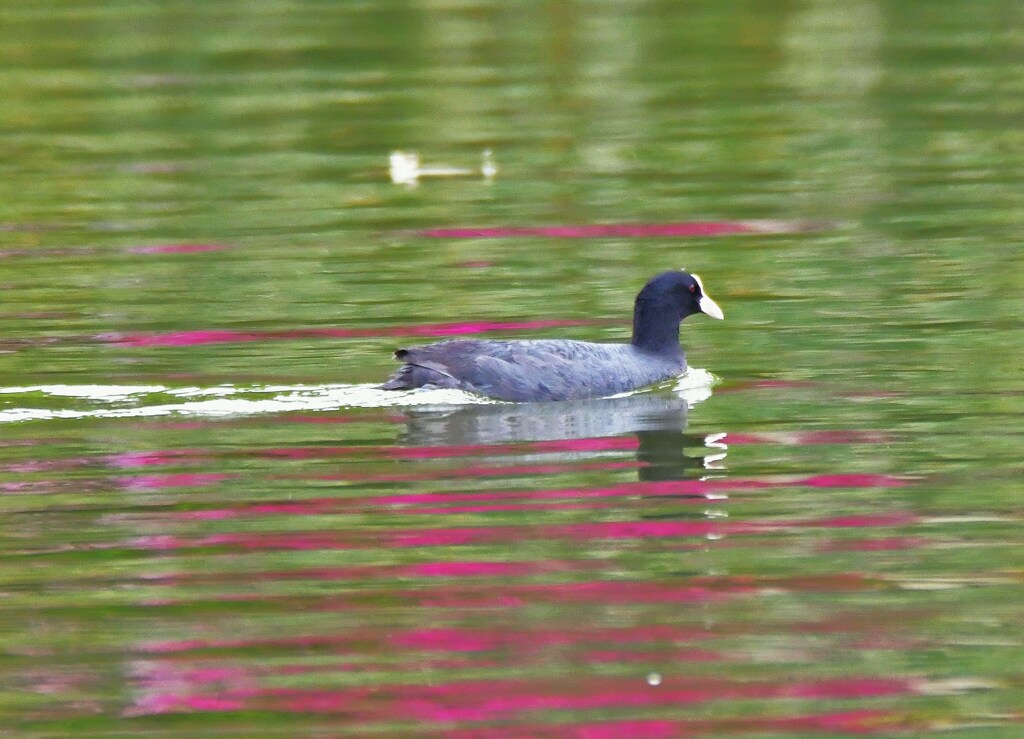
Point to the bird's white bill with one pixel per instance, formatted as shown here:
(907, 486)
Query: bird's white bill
(707, 305)
(710, 307)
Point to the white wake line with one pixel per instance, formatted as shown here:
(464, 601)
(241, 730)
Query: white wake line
(126, 401)
(226, 401)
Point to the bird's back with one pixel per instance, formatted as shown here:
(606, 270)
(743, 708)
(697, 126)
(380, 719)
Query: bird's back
(546, 369)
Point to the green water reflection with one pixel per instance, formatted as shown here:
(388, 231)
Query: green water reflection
(150, 593)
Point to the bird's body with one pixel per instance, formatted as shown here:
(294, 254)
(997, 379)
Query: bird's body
(562, 369)
(543, 369)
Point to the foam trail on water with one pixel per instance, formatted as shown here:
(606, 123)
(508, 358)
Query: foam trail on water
(147, 401)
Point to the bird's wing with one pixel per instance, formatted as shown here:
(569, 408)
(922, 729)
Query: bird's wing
(515, 370)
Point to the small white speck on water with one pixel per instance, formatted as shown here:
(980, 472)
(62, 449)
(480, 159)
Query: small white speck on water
(653, 679)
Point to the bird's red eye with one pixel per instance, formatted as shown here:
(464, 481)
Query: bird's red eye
(693, 288)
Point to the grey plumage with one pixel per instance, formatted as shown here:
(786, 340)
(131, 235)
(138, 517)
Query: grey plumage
(549, 369)
(562, 369)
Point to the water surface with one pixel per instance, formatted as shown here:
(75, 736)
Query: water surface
(214, 522)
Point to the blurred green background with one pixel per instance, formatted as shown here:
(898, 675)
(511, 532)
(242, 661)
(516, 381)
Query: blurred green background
(193, 166)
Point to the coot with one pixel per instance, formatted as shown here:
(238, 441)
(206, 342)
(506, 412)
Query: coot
(562, 369)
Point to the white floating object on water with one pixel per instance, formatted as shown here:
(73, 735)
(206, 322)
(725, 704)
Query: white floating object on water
(487, 166)
(405, 168)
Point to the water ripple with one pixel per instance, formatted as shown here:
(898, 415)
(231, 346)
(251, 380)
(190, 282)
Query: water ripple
(142, 401)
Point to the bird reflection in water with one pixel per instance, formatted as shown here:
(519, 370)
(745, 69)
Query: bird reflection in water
(656, 420)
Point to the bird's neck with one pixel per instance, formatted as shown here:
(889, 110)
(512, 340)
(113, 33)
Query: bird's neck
(656, 328)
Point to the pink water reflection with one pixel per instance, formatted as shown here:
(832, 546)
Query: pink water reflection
(458, 596)
(157, 457)
(428, 571)
(173, 480)
(459, 536)
(468, 471)
(198, 337)
(683, 491)
(460, 639)
(468, 702)
(453, 450)
(859, 722)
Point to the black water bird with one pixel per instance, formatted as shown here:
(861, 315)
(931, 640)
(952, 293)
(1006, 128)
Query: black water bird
(563, 369)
